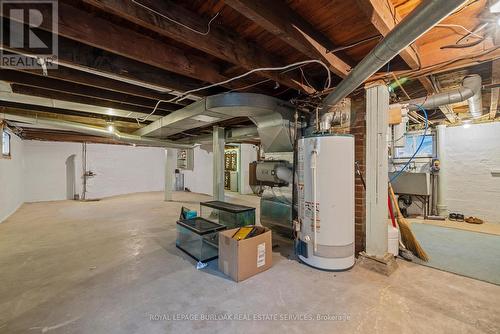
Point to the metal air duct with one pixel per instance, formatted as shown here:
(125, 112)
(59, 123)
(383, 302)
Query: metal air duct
(271, 115)
(95, 131)
(416, 23)
(470, 90)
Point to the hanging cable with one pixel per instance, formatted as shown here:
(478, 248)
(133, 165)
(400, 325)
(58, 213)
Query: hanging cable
(458, 26)
(398, 173)
(185, 94)
(345, 47)
(177, 22)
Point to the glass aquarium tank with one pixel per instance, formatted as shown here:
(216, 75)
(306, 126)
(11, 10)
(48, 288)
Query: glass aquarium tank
(227, 214)
(199, 238)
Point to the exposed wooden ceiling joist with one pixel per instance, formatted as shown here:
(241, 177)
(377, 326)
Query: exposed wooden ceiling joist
(88, 79)
(87, 100)
(121, 123)
(218, 41)
(384, 17)
(64, 136)
(85, 58)
(276, 17)
(49, 83)
(89, 29)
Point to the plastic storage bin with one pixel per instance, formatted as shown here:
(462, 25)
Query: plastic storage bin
(227, 214)
(199, 238)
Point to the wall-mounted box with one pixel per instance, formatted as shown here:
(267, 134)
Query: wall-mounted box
(185, 159)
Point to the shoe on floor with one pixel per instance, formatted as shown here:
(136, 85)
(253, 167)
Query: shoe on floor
(474, 220)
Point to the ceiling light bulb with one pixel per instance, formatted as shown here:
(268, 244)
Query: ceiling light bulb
(111, 128)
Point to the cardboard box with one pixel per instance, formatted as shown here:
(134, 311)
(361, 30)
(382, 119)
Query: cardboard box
(245, 258)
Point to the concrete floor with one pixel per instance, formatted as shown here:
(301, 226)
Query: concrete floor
(112, 267)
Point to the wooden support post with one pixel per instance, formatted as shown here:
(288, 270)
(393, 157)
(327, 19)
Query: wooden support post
(377, 110)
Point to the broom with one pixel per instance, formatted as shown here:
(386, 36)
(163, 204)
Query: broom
(409, 240)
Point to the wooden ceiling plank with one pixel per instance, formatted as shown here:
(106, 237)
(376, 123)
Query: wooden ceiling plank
(63, 96)
(384, 16)
(50, 83)
(69, 115)
(89, 29)
(218, 41)
(97, 81)
(279, 19)
(103, 64)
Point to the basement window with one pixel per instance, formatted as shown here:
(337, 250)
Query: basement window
(412, 141)
(5, 144)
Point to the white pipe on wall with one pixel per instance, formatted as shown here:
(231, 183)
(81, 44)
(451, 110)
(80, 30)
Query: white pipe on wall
(442, 176)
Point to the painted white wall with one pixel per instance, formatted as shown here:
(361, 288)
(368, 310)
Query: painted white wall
(200, 179)
(45, 169)
(124, 169)
(119, 169)
(248, 154)
(472, 155)
(11, 179)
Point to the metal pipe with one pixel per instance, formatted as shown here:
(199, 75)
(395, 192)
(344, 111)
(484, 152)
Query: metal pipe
(96, 131)
(415, 24)
(470, 90)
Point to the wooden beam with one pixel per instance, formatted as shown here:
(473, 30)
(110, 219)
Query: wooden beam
(89, 29)
(469, 60)
(279, 19)
(127, 124)
(219, 42)
(27, 79)
(52, 94)
(87, 59)
(495, 92)
(97, 81)
(384, 18)
(64, 136)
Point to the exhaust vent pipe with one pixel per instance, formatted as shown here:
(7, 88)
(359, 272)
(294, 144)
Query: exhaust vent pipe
(415, 24)
(470, 91)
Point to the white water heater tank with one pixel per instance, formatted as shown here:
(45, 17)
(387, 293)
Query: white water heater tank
(325, 175)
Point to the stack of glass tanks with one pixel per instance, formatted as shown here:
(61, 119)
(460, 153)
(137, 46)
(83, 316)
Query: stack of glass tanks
(227, 214)
(199, 238)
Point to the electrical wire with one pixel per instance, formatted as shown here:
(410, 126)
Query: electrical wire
(286, 67)
(458, 26)
(395, 176)
(303, 76)
(345, 47)
(177, 22)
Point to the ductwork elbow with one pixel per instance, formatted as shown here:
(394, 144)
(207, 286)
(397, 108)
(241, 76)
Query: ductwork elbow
(474, 83)
(470, 91)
